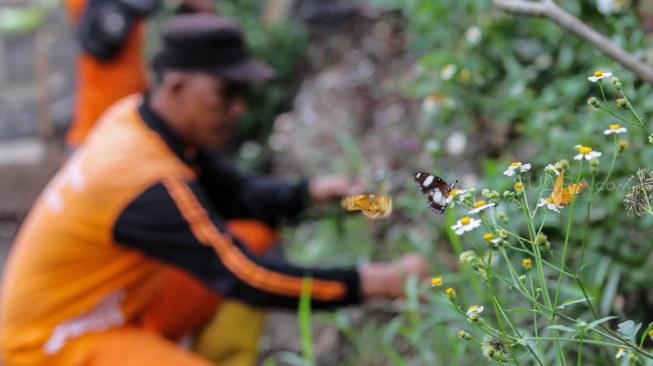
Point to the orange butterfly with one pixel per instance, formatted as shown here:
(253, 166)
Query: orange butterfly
(562, 196)
(372, 206)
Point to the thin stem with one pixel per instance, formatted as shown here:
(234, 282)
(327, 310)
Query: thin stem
(565, 246)
(580, 352)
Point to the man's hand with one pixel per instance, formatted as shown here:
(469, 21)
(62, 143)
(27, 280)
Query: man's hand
(388, 279)
(325, 189)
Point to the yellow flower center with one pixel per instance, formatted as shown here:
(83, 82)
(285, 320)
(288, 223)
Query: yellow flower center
(488, 236)
(436, 281)
(615, 126)
(465, 220)
(527, 262)
(650, 332)
(473, 308)
(515, 164)
(584, 150)
(454, 192)
(450, 291)
(519, 186)
(549, 200)
(478, 204)
(598, 73)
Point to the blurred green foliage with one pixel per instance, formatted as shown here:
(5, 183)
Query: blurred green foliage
(26, 18)
(282, 46)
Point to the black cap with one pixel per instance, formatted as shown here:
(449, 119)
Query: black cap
(207, 42)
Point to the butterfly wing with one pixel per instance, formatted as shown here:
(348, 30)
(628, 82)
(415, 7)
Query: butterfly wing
(570, 192)
(372, 206)
(426, 182)
(354, 203)
(380, 207)
(436, 190)
(435, 206)
(556, 195)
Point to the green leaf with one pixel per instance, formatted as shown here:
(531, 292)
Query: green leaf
(600, 321)
(572, 302)
(629, 329)
(561, 328)
(643, 338)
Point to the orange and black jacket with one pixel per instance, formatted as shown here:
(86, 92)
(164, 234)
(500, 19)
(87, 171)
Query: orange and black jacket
(91, 253)
(153, 223)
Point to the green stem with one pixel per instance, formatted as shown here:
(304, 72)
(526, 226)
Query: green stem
(602, 92)
(580, 352)
(619, 117)
(565, 246)
(514, 329)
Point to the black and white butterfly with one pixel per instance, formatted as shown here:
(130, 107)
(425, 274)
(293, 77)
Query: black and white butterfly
(437, 191)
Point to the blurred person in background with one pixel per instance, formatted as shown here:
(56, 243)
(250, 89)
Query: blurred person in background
(86, 282)
(110, 64)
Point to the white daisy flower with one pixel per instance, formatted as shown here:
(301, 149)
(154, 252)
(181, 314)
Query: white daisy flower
(489, 237)
(515, 167)
(473, 34)
(615, 128)
(480, 206)
(474, 313)
(432, 103)
(448, 71)
(474, 309)
(620, 353)
(599, 75)
(550, 168)
(586, 152)
(548, 202)
(465, 224)
(455, 196)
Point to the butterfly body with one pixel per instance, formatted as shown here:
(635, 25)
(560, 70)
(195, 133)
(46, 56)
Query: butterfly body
(371, 205)
(437, 191)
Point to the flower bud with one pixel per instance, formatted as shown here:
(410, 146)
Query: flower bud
(522, 278)
(468, 257)
(542, 240)
(622, 103)
(622, 145)
(594, 166)
(562, 164)
(616, 83)
(501, 215)
(593, 102)
(463, 335)
(519, 187)
(485, 193)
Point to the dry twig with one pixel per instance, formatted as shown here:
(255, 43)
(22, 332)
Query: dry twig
(549, 9)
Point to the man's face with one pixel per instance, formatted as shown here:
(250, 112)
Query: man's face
(211, 108)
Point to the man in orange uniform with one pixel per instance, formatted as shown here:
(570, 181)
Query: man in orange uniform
(143, 193)
(110, 64)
